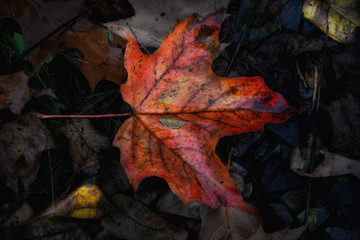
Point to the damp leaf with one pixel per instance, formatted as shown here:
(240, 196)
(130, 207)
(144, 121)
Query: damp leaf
(180, 109)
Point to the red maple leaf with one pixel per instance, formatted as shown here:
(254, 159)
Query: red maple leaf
(181, 109)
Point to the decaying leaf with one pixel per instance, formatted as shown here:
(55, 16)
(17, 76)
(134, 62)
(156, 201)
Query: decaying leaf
(86, 144)
(342, 17)
(114, 176)
(335, 165)
(153, 21)
(14, 92)
(25, 212)
(172, 204)
(40, 18)
(81, 203)
(237, 224)
(47, 229)
(281, 43)
(344, 114)
(127, 218)
(89, 45)
(300, 160)
(21, 143)
(181, 109)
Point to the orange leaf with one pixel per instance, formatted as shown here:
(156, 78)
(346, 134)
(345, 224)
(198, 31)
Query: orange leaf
(181, 109)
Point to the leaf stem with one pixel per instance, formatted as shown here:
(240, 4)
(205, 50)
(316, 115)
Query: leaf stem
(44, 116)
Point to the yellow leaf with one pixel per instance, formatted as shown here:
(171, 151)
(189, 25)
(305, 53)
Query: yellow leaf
(341, 16)
(81, 203)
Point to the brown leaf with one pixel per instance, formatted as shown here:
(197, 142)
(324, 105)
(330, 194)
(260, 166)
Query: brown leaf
(335, 165)
(47, 229)
(99, 60)
(114, 176)
(344, 114)
(152, 22)
(215, 224)
(39, 18)
(282, 43)
(86, 144)
(14, 92)
(25, 212)
(127, 218)
(172, 204)
(21, 143)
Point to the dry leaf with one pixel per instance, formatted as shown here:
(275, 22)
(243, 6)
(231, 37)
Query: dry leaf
(335, 165)
(126, 218)
(97, 58)
(280, 44)
(344, 114)
(86, 144)
(155, 20)
(81, 203)
(342, 17)
(25, 212)
(114, 177)
(21, 143)
(181, 109)
(172, 204)
(39, 18)
(47, 229)
(14, 92)
(215, 224)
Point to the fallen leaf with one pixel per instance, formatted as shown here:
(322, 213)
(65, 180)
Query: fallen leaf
(181, 109)
(108, 11)
(280, 44)
(97, 58)
(21, 144)
(342, 18)
(335, 165)
(47, 229)
(152, 22)
(266, 21)
(346, 70)
(114, 178)
(300, 160)
(14, 92)
(344, 113)
(25, 212)
(40, 18)
(237, 224)
(127, 218)
(81, 203)
(86, 145)
(172, 204)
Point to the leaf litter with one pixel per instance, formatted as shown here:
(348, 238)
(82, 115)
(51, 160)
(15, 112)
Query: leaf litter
(264, 152)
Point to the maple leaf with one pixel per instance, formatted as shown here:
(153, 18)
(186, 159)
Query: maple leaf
(181, 109)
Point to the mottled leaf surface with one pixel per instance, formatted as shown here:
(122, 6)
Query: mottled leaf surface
(181, 109)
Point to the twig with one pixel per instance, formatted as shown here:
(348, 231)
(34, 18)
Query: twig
(227, 207)
(316, 103)
(244, 34)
